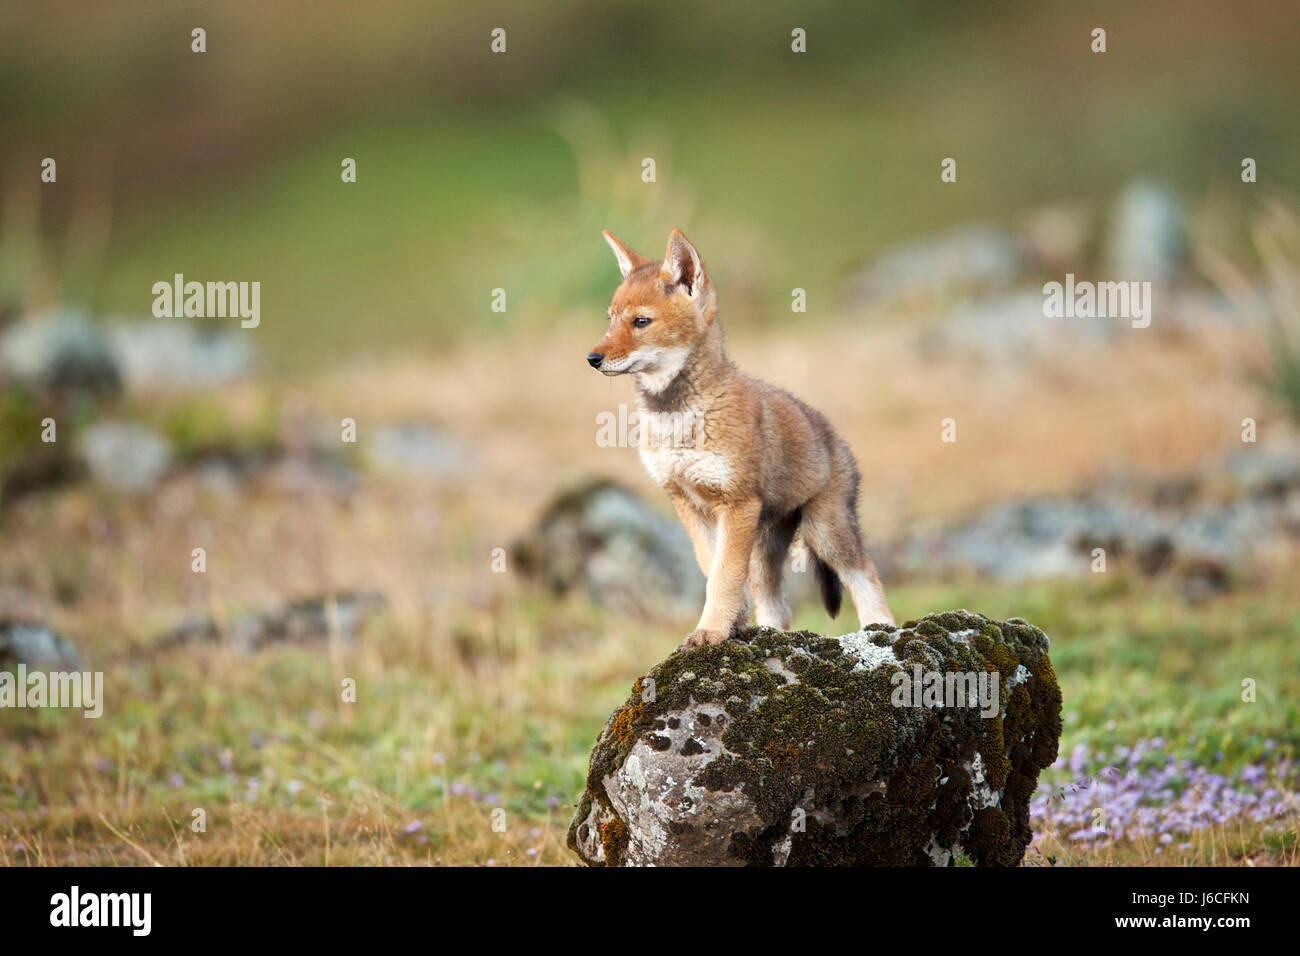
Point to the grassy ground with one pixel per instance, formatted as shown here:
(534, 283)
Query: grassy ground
(477, 173)
(495, 709)
(475, 692)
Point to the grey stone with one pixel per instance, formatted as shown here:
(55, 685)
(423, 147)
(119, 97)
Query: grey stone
(60, 352)
(177, 354)
(305, 622)
(976, 256)
(1012, 329)
(36, 645)
(781, 749)
(1147, 239)
(417, 448)
(1203, 525)
(1266, 470)
(603, 539)
(124, 456)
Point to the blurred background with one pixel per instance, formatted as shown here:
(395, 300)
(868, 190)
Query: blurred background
(491, 571)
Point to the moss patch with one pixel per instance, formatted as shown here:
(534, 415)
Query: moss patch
(873, 783)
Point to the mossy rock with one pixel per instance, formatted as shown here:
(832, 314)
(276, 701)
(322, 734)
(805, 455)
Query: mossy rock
(797, 749)
(603, 539)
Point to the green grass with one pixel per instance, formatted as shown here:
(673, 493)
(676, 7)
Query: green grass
(784, 176)
(512, 709)
(1136, 661)
(784, 179)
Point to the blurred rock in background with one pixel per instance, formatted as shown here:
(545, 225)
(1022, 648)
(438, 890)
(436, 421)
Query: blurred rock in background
(1205, 528)
(61, 353)
(1147, 239)
(178, 354)
(418, 448)
(304, 622)
(601, 538)
(36, 645)
(124, 456)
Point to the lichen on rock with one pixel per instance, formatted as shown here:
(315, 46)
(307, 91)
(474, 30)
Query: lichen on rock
(790, 748)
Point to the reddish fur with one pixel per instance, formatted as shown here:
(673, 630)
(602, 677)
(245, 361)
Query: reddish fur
(762, 466)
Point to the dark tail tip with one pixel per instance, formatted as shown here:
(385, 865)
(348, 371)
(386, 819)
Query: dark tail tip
(832, 590)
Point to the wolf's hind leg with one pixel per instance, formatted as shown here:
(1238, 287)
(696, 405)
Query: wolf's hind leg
(766, 571)
(830, 529)
(868, 593)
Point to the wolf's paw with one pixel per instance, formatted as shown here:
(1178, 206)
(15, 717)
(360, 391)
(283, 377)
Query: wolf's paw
(700, 637)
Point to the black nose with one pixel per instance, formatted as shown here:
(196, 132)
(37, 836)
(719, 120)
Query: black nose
(595, 358)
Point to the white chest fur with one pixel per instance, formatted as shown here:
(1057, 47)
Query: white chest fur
(668, 464)
(674, 451)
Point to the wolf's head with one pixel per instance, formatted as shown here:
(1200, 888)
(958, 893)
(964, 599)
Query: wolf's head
(660, 313)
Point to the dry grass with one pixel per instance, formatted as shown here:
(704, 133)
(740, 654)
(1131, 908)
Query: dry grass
(476, 693)
(530, 404)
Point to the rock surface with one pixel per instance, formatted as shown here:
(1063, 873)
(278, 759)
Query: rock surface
(62, 352)
(796, 749)
(977, 256)
(602, 538)
(418, 448)
(1203, 527)
(36, 645)
(1147, 240)
(309, 621)
(171, 354)
(124, 456)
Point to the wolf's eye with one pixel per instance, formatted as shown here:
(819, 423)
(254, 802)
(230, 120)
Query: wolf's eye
(641, 321)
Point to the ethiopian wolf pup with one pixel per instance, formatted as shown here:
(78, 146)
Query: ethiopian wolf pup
(755, 465)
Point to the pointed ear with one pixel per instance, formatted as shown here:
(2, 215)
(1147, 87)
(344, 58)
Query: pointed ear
(627, 258)
(682, 265)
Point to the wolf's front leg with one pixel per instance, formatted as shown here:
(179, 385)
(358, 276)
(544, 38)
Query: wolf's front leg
(699, 527)
(725, 594)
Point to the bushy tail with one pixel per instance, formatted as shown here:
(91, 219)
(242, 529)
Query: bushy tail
(829, 581)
